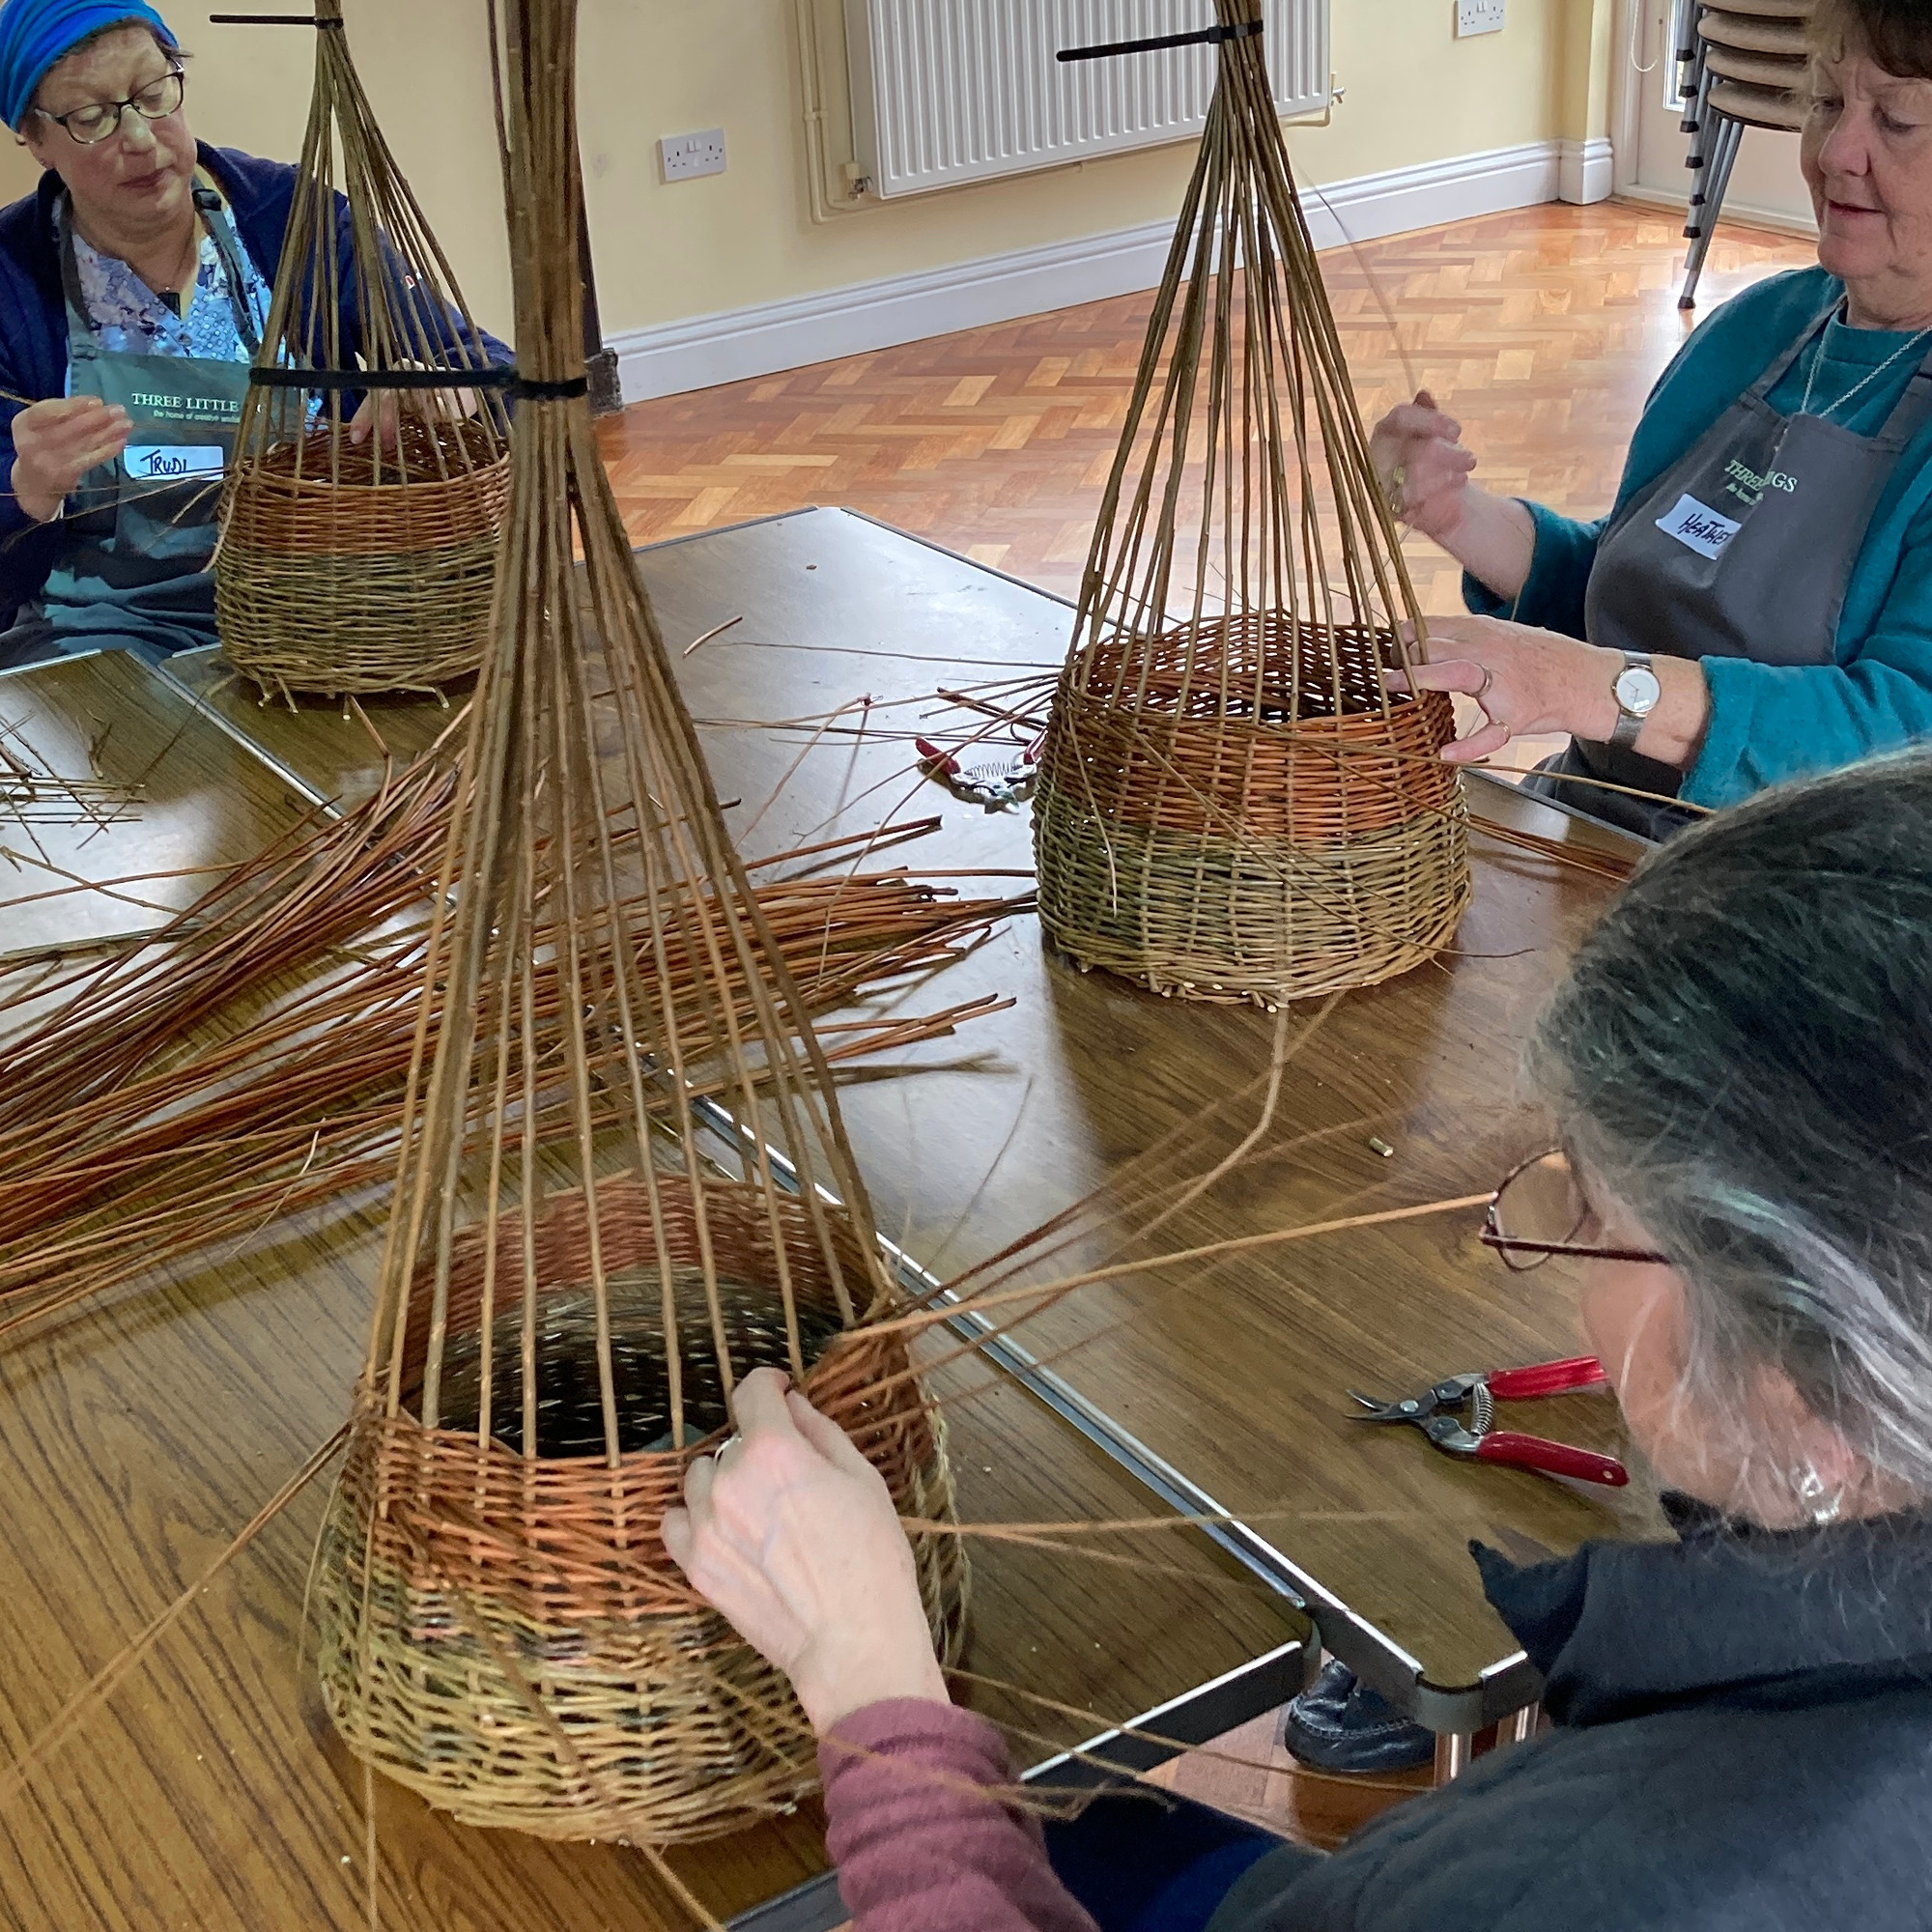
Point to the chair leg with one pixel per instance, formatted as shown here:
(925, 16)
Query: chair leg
(1726, 133)
(1681, 38)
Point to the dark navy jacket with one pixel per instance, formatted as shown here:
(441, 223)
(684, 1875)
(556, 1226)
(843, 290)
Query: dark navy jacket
(33, 325)
(1742, 1743)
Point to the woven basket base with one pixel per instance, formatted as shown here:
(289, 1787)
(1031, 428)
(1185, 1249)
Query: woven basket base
(507, 1636)
(1255, 921)
(341, 625)
(678, 1731)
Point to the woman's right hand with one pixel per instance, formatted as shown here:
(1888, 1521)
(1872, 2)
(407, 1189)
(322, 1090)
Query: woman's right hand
(792, 1534)
(1418, 454)
(1424, 470)
(56, 442)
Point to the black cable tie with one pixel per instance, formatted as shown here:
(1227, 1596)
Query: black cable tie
(1207, 37)
(491, 377)
(563, 391)
(271, 20)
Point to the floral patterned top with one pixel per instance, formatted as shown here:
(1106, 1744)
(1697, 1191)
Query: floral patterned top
(131, 319)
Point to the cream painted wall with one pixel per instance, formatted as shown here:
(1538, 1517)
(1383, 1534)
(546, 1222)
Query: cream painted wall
(1586, 68)
(1415, 93)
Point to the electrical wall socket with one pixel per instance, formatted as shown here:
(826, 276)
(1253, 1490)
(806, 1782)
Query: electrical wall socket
(1478, 16)
(683, 155)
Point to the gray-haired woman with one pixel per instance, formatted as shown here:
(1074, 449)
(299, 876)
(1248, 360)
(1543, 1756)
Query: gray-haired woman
(1740, 1067)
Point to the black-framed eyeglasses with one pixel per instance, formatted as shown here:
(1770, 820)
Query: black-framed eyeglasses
(100, 120)
(1538, 1210)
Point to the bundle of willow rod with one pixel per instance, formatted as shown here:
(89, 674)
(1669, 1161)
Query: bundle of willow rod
(1232, 805)
(345, 564)
(124, 1145)
(558, 1328)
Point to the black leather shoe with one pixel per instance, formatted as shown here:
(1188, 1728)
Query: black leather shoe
(1338, 1724)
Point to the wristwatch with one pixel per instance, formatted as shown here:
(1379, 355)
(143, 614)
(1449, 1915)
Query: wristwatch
(1637, 691)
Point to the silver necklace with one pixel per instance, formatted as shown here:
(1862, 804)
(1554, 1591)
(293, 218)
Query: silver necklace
(1811, 377)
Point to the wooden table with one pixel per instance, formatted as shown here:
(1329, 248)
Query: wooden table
(1224, 1388)
(139, 1434)
(137, 1438)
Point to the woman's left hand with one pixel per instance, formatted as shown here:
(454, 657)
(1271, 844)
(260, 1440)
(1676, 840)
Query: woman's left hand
(792, 1534)
(1530, 682)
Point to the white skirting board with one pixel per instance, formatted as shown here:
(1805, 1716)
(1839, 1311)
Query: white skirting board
(696, 353)
(1585, 170)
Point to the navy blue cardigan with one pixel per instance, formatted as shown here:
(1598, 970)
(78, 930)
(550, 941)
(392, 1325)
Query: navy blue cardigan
(33, 326)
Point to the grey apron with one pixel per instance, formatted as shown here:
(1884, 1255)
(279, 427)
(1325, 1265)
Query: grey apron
(1741, 549)
(135, 567)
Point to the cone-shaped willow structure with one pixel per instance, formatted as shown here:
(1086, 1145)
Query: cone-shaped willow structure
(364, 564)
(593, 1236)
(1231, 806)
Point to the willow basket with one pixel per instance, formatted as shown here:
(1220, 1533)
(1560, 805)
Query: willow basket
(334, 577)
(476, 1608)
(1237, 815)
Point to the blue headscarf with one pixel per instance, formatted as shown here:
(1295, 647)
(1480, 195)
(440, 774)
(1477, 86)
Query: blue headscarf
(34, 34)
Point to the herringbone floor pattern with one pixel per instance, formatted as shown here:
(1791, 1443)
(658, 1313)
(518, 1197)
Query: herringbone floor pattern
(1542, 330)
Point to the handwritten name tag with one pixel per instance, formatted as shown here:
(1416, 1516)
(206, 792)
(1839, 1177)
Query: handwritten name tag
(1698, 526)
(165, 461)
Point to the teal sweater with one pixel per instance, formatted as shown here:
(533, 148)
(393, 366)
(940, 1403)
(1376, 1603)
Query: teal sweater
(1775, 721)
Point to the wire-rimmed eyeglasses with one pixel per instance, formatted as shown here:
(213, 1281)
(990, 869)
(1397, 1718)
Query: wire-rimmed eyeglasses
(100, 120)
(1538, 1210)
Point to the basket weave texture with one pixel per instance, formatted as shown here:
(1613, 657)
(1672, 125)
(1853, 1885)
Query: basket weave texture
(505, 1635)
(1202, 826)
(368, 578)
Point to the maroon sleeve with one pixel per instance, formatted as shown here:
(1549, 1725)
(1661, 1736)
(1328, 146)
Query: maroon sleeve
(920, 1843)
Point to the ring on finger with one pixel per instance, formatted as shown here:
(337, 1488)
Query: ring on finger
(1482, 690)
(729, 1443)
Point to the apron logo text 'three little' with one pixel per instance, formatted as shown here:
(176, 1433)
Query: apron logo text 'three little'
(1749, 485)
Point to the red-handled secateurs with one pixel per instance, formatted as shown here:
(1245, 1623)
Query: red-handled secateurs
(999, 785)
(1435, 1412)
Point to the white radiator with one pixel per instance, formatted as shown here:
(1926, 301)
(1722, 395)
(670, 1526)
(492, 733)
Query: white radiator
(952, 91)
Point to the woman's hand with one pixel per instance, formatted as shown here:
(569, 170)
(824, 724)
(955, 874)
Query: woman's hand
(792, 1535)
(1418, 455)
(1529, 681)
(381, 411)
(56, 442)
(1423, 469)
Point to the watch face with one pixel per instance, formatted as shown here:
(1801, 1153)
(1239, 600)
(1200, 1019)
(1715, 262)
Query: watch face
(1637, 689)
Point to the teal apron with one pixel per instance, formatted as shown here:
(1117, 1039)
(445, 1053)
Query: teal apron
(140, 532)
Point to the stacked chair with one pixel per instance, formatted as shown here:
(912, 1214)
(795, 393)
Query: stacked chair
(1742, 66)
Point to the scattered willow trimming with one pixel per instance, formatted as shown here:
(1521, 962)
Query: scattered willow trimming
(246, 1061)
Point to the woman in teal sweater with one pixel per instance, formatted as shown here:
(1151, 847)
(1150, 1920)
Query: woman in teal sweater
(1758, 602)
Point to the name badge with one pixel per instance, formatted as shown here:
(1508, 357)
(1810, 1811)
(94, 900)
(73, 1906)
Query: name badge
(1698, 526)
(165, 461)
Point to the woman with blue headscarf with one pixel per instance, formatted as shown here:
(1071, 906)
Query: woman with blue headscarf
(133, 295)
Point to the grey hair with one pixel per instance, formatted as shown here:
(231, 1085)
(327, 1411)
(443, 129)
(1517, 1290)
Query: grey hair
(1742, 1056)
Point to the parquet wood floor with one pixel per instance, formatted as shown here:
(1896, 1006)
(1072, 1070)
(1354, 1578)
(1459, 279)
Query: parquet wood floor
(1542, 330)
